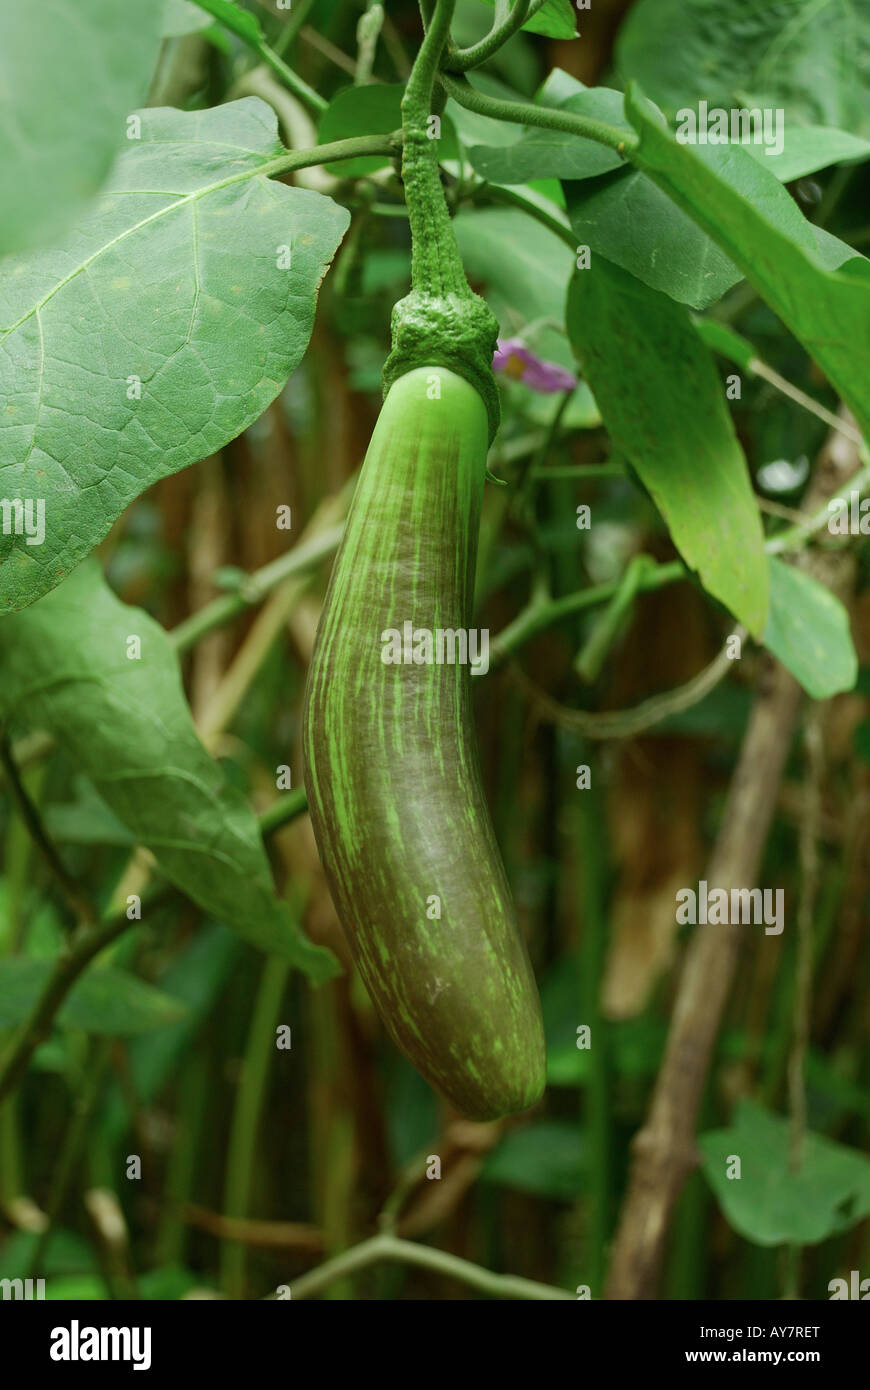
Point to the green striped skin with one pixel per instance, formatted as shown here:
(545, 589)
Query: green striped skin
(391, 765)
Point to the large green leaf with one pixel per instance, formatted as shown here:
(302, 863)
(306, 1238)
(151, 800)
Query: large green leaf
(104, 1000)
(624, 217)
(770, 1204)
(64, 667)
(662, 401)
(808, 631)
(741, 204)
(165, 326)
(70, 72)
(811, 57)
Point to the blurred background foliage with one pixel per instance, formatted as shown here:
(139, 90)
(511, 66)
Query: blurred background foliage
(257, 1162)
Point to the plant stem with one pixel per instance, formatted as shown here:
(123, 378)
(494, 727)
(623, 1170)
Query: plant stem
(609, 623)
(254, 588)
(461, 59)
(626, 723)
(512, 197)
(368, 31)
(81, 948)
(292, 28)
(809, 867)
(547, 117)
(77, 953)
(390, 1247)
(591, 960)
(284, 810)
(436, 266)
(248, 30)
(81, 908)
(99, 1054)
(797, 536)
(543, 613)
(330, 153)
(244, 1130)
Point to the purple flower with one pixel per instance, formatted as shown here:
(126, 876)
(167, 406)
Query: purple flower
(516, 361)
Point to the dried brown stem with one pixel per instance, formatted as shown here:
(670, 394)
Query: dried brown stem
(664, 1149)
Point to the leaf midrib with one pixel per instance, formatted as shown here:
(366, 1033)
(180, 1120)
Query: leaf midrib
(272, 166)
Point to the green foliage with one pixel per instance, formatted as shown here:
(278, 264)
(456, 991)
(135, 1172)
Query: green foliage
(808, 631)
(148, 325)
(182, 255)
(64, 666)
(773, 1204)
(374, 110)
(96, 66)
(544, 1158)
(542, 154)
(810, 58)
(555, 19)
(660, 396)
(524, 270)
(753, 218)
(105, 1001)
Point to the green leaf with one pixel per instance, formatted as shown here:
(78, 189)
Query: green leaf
(163, 327)
(662, 402)
(183, 17)
(723, 339)
(555, 20)
(524, 270)
(771, 1205)
(86, 821)
(624, 217)
(104, 1000)
(544, 1158)
(240, 22)
(744, 207)
(69, 76)
(627, 218)
(553, 153)
(809, 148)
(124, 721)
(808, 631)
(375, 109)
(810, 57)
(194, 979)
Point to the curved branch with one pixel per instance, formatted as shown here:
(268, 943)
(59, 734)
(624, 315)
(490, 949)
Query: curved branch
(389, 1247)
(625, 723)
(547, 117)
(461, 59)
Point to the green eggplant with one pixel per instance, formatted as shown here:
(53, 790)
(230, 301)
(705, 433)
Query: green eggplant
(391, 761)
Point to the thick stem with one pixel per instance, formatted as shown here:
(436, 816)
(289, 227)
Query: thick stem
(440, 323)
